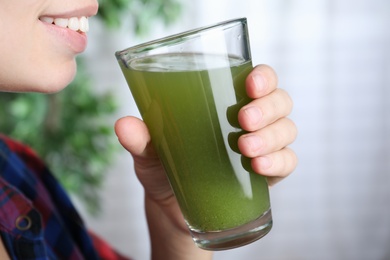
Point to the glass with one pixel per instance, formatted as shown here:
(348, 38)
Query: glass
(189, 88)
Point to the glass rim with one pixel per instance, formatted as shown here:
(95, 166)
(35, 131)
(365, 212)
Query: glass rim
(179, 37)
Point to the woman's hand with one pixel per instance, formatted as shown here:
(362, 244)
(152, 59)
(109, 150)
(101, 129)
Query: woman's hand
(270, 130)
(269, 134)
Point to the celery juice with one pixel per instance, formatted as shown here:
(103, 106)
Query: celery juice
(191, 111)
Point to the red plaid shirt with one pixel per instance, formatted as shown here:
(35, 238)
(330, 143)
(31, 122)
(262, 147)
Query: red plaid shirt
(37, 219)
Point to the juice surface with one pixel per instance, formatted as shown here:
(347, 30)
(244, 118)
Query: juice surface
(191, 112)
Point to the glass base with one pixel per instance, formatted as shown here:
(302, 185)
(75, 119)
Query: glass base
(235, 237)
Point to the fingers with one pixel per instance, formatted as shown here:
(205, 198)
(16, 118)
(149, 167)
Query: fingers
(268, 149)
(270, 131)
(261, 81)
(266, 110)
(269, 104)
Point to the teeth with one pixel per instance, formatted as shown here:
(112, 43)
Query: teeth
(84, 24)
(74, 23)
(61, 22)
(47, 19)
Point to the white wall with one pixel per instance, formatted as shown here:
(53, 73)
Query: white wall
(333, 57)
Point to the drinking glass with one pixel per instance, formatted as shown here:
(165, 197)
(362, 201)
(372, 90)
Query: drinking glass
(189, 88)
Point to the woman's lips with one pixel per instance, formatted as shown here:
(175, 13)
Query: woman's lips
(71, 31)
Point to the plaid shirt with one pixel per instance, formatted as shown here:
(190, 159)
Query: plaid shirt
(37, 219)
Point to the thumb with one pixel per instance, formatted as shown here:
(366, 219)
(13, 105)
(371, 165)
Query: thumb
(133, 135)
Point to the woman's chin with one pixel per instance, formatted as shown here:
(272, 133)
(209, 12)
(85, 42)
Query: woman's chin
(55, 83)
(41, 79)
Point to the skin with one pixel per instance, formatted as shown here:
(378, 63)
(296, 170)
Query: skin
(37, 57)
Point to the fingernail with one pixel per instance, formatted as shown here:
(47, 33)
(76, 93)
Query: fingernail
(254, 114)
(265, 162)
(259, 83)
(254, 143)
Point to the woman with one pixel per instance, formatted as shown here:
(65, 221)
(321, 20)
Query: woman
(39, 42)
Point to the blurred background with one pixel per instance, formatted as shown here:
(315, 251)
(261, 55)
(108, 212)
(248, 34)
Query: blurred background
(333, 57)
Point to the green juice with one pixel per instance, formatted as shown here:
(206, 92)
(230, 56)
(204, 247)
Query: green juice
(191, 111)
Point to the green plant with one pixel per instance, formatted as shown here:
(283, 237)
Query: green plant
(140, 12)
(71, 129)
